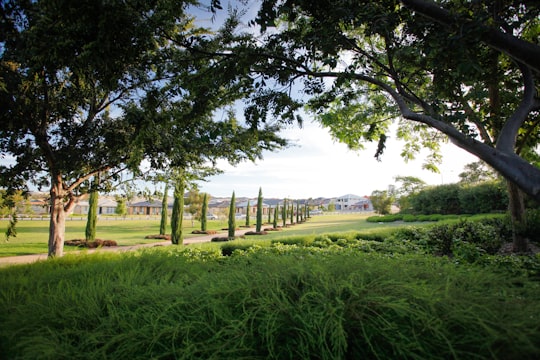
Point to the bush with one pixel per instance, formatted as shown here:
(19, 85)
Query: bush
(280, 302)
(228, 249)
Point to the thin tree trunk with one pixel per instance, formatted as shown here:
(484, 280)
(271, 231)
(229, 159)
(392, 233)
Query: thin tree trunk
(516, 205)
(57, 225)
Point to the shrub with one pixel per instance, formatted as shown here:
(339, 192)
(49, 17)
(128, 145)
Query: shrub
(228, 249)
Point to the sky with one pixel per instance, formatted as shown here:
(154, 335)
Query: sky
(317, 166)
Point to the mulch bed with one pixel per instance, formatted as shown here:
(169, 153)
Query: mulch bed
(226, 238)
(163, 237)
(90, 244)
(207, 232)
(256, 233)
(273, 229)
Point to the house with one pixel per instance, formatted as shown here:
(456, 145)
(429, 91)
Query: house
(352, 202)
(39, 206)
(145, 208)
(106, 206)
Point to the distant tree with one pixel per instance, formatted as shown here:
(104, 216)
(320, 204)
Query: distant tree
(269, 215)
(475, 173)
(298, 215)
(91, 222)
(382, 201)
(164, 211)
(194, 204)
(259, 211)
(121, 207)
(292, 212)
(332, 206)
(276, 211)
(204, 211)
(410, 185)
(232, 217)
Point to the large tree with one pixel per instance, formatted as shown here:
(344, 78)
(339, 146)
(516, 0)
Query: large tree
(97, 86)
(466, 71)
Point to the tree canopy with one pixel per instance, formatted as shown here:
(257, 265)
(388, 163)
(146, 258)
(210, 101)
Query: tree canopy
(93, 87)
(466, 71)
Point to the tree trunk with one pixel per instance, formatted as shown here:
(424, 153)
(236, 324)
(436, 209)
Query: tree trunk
(57, 226)
(516, 206)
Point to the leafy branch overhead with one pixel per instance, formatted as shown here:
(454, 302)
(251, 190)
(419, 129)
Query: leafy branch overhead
(466, 72)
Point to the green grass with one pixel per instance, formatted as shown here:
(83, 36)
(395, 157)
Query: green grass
(32, 236)
(276, 302)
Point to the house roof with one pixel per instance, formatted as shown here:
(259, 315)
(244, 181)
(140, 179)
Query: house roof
(153, 203)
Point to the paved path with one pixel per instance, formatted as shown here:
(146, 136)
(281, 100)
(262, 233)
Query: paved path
(27, 259)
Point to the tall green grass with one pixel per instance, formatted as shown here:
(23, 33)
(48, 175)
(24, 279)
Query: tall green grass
(277, 302)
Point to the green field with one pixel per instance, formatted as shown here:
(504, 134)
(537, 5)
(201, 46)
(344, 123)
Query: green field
(32, 235)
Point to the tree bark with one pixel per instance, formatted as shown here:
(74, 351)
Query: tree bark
(516, 207)
(57, 226)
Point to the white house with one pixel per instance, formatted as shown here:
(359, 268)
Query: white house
(352, 202)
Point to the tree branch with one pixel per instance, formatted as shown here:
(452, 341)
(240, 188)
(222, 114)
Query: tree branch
(508, 135)
(523, 51)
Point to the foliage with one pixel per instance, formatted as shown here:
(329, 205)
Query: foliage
(476, 173)
(177, 215)
(410, 185)
(248, 212)
(121, 206)
(460, 199)
(466, 236)
(194, 202)
(164, 210)
(204, 212)
(382, 201)
(485, 197)
(259, 211)
(449, 70)
(91, 87)
(278, 302)
(232, 217)
(90, 231)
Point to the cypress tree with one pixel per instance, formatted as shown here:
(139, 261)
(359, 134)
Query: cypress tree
(90, 231)
(297, 211)
(204, 210)
(247, 213)
(275, 216)
(232, 221)
(164, 211)
(177, 213)
(284, 212)
(292, 212)
(259, 211)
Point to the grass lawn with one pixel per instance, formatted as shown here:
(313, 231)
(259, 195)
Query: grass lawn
(32, 235)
